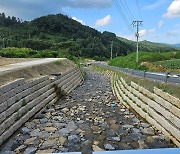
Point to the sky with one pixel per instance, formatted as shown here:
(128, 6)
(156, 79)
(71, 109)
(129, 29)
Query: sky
(161, 18)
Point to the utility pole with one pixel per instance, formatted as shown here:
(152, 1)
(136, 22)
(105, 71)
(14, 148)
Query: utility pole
(3, 42)
(137, 24)
(111, 49)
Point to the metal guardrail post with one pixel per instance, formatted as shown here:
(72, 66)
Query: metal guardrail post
(166, 77)
(144, 75)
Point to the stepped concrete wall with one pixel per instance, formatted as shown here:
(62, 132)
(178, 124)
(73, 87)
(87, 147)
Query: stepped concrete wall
(20, 99)
(159, 108)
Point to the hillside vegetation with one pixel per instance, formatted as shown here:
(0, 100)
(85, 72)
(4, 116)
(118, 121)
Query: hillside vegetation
(59, 32)
(129, 61)
(150, 46)
(173, 64)
(59, 35)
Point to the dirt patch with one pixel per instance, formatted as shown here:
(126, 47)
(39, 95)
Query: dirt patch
(7, 61)
(36, 71)
(159, 68)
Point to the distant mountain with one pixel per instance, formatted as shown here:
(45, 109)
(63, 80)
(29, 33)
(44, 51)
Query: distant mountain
(61, 33)
(176, 45)
(149, 46)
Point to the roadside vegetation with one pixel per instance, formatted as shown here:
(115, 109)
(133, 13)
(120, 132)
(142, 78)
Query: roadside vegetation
(172, 89)
(172, 64)
(129, 61)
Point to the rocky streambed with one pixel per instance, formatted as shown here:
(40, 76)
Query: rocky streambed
(89, 119)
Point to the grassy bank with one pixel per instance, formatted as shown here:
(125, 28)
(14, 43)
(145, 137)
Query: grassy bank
(129, 61)
(146, 83)
(173, 64)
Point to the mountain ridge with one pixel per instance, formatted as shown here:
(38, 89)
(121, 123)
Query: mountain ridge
(59, 32)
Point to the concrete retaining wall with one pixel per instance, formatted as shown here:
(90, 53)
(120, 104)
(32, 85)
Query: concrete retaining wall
(20, 99)
(159, 108)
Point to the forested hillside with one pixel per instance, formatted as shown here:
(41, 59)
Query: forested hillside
(149, 46)
(61, 33)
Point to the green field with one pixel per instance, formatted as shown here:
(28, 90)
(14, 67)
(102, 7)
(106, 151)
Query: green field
(172, 64)
(129, 61)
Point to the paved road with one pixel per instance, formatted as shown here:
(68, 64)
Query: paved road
(27, 64)
(156, 76)
(90, 119)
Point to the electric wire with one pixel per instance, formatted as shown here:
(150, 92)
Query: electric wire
(123, 16)
(137, 3)
(128, 10)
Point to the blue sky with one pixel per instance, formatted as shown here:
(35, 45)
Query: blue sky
(161, 18)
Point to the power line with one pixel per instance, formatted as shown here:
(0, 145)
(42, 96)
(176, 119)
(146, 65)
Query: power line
(139, 9)
(128, 9)
(124, 17)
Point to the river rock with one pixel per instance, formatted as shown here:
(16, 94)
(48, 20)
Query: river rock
(109, 147)
(30, 150)
(50, 129)
(148, 131)
(96, 148)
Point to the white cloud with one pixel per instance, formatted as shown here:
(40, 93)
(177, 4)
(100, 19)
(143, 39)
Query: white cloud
(78, 20)
(152, 30)
(104, 21)
(173, 33)
(29, 9)
(173, 10)
(157, 4)
(143, 32)
(160, 23)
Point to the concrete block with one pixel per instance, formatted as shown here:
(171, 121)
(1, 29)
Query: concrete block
(5, 88)
(134, 85)
(13, 108)
(1, 140)
(165, 124)
(2, 128)
(11, 101)
(19, 89)
(21, 112)
(8, 95)
(3, 107)
(2, 117)
(145, 92)
(7, 134)
(175, 101)
(26, 92)
(11, 85)
(8, 122)
(19, 96)
(16, 126)
(173, 109)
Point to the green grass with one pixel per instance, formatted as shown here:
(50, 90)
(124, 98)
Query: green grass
(172, 89)
(58, 62)
(129, 61)
(172, 64)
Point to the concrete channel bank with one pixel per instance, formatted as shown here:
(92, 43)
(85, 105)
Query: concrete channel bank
(89, 119)
(159, 108)
(20, 99)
